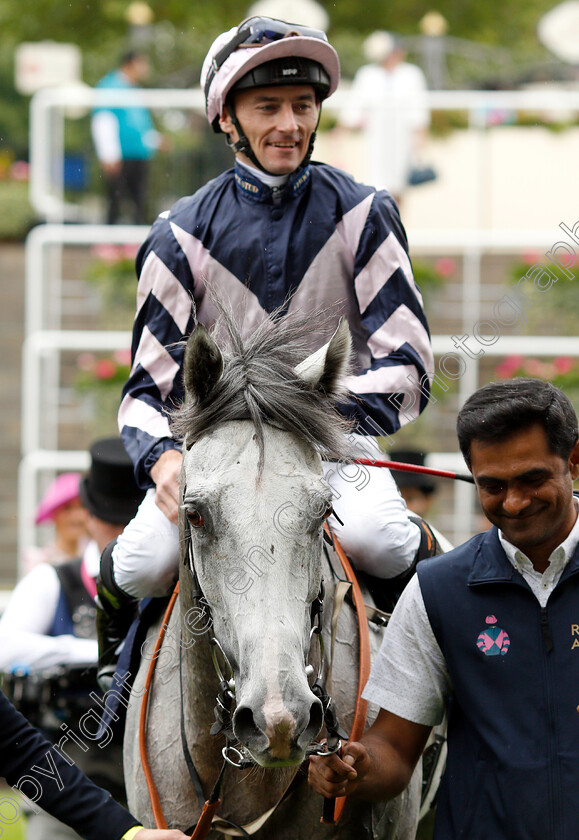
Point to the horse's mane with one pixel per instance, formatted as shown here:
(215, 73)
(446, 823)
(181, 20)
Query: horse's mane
(259, 383)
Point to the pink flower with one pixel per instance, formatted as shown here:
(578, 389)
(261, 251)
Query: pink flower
(20, 170)
(445, 266)
(122, 357)
(532, 257)
(537, 368)
(130, 251)
(563, 364)
(509, 366)
(108, 252)
(105, 369)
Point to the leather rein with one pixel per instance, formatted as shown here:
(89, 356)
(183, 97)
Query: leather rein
(226, 695)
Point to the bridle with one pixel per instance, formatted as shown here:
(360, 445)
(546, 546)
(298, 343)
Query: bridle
(226, 692)
(225, 699)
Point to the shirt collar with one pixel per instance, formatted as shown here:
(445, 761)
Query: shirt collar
(254, 188)
(264, 177)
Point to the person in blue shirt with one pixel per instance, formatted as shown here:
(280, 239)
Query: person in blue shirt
(125, 139)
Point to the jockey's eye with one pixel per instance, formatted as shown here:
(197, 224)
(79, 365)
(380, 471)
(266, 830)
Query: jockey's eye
(195, 519)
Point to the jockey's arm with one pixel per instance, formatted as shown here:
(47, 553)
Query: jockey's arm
(165, 473)
(377, 767)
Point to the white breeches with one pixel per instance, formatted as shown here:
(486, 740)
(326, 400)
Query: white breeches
(377, 534)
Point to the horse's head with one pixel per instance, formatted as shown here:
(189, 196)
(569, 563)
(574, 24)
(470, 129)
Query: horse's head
(254, 504)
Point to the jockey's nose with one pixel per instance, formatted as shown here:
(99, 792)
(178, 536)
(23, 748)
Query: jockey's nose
(287, 119)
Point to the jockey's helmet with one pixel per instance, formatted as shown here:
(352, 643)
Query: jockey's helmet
(263, 52)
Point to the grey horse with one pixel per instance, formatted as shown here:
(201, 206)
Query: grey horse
(257, 421)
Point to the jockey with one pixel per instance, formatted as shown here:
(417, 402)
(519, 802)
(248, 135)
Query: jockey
(274, 231)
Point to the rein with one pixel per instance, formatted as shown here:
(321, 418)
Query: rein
(160, 821)
(415, 468)
(333, 807)
(212, 804)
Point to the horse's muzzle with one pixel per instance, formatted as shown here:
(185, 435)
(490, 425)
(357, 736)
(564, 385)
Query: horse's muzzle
(278, 736)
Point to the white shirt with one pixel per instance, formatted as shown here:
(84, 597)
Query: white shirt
(29, 615)
(410, 677)
(403, 90)
(105, 133)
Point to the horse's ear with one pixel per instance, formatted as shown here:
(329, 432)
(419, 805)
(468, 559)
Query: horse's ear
(326, 367)
(202, 365)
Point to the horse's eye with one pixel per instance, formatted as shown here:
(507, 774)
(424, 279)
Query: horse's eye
(195, 519)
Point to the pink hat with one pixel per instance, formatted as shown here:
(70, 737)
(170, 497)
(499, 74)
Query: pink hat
(62, 490)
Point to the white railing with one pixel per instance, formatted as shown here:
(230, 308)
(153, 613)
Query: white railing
(50, 107)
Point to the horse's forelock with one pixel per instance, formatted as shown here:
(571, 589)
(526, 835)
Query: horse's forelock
(259, 383)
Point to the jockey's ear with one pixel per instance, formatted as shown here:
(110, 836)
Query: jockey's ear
(202, 365)
(326, 368)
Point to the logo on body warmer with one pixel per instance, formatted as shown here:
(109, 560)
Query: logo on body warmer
(493, 641)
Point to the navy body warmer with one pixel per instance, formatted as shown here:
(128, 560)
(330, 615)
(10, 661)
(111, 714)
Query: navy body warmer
(513, 740)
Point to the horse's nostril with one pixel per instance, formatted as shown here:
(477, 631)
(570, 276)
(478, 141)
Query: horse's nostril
(245, 726)
(316, 721)
(316, 718)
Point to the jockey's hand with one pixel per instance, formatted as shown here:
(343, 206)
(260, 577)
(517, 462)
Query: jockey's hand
(165, 473)
(160, 834)
(339, 775)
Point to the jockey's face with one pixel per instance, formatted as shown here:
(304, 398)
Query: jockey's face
(278, 123)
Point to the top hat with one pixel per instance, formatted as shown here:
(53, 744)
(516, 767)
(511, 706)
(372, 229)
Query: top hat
(60, 492)
(412, 479)
(110, 491)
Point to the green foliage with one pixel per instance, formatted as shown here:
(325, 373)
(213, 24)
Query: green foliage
(99, 381)
(551, 311)
(444, 123)
(102, 372)
(16, 214)
(427, 275)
